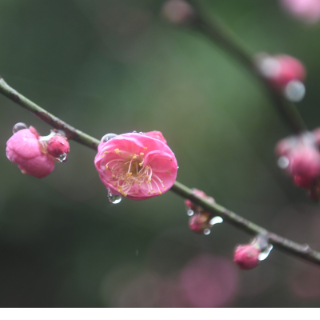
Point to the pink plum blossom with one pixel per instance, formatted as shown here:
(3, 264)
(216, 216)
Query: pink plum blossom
(305, 10)
(24, 149)
(136, 165)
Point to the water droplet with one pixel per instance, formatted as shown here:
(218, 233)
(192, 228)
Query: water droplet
(265, 254)
(206, 232)
(140, 132)
(190, 212)
(295, 91)
(114, 198)
(134, 131)
(63, 157)
(283, 162)
(19, 126)
(108, 137)
(216, 220)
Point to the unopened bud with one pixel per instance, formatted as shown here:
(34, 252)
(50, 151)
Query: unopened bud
(283, 72)
(305, 166)
(178, 12)
(58, 145)
(200, 222)
(247, 256)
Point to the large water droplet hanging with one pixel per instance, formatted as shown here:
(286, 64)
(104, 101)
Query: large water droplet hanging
(283, 162)
(216, 220)
(265, 253)
(206, 232)
(114, 198)
(63, 157)
(108, 137)
(19, 126)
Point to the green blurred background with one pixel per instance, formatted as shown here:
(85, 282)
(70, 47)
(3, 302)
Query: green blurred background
(116, 66)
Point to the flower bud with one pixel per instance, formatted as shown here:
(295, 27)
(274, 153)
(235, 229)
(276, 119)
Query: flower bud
(24, 149)
(178, 12)
(280, 70)
(58, 145)
(200, 222)
(247, 256)
(305, 165)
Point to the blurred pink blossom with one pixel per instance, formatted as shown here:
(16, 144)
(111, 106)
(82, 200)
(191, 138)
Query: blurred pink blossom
(305, 10)
(136, 165)
(24, 149)
(209, 281)
(280, 70)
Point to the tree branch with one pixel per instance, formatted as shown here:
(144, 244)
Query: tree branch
(219, 35)
(288, 246)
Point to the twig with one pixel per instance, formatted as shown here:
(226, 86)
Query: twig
(219, 35)
(299, 250)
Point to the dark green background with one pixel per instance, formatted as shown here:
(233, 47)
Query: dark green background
(116, 66)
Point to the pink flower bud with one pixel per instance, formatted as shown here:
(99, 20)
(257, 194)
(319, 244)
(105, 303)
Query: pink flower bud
(305, 165)
(136, 165)
(281, 69)
(58, 145)
(199, 222)
(246, 256)
(24, 149)
(178, 12)
(305, 10)
(194, 207)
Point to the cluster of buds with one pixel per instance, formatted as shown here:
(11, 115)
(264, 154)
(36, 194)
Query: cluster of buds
(246, 256)
(285, 73)
(35, 155)
(200, 221)
(299, 156)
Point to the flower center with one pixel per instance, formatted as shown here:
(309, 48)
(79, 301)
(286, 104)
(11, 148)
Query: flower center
(129, 173)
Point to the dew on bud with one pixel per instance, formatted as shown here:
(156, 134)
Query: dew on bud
(19, 126)
(206, 232)
(295, 91)
(265, 253)
(63, 157)
(190, 212)
(216, 220)
(114, 198)
(108, 137)
(283, 162)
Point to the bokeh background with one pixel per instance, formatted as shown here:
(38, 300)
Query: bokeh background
(117, 66)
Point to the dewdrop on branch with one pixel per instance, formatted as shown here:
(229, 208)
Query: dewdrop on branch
(30, 151)
(136, 165)
(285, 74)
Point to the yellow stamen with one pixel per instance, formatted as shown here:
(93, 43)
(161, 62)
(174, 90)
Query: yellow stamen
(145, 148)
(141, 154)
